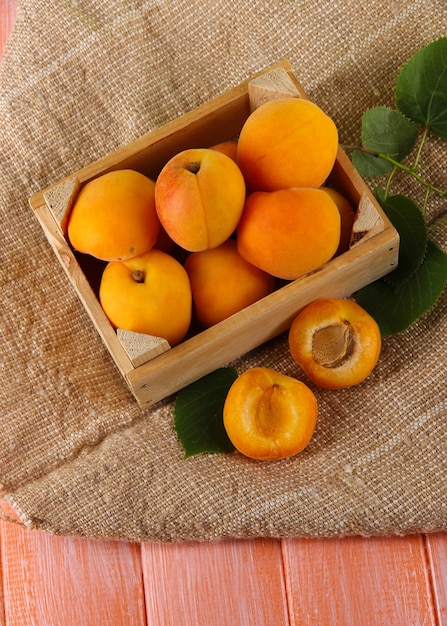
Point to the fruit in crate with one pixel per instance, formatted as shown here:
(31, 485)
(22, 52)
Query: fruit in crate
(227, 147)
(268, 415)
(199, 197)
(148, 294)
(223, 283)
(336, 342)
(289, 232)
(347, 216)
(114, 216)
(288, 142)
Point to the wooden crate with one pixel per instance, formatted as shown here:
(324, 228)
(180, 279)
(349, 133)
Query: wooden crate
(150, 367)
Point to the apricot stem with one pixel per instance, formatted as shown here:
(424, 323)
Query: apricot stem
(332, 345)
(138, 276)
(193, 167)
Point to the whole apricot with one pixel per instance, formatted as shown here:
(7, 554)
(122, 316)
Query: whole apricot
(347, 216)
(288, 142)
(268, 415)
(335, 341)
(223, 283)
(114, 216)
(227, 147)
(148, 294)
(289, 232)
(199, 197)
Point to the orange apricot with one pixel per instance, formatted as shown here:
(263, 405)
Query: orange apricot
(114, 216)
(268, 415)
(289, 232)
(223, 283)
(336, 342)
(148, 294)
(347, 215)
(288, 142)
(199, 197)
(227, 147)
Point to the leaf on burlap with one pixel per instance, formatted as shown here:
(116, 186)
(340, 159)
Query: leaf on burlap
(409, 222)
(421, 87)
(384, 131)
(396, 307)
(198, 413)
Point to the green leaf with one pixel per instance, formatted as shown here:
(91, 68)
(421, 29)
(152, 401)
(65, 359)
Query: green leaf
(396, 307)
(421, 87)
(369, 165)
(387, 131)
(198, 413)
(409, 222)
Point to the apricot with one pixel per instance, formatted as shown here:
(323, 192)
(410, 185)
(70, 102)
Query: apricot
(223, 283)
(148, 294)
(114, 216)
(199, 198)
(336, 342)
(268, 415)
(347, 216)
(227, 147)
(289, 232)
(288, 142)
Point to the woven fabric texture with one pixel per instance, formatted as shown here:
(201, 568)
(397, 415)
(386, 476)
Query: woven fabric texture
(79, 457)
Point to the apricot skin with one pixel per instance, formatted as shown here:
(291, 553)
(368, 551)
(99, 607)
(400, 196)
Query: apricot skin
(148, 294)
(289, 232)
(114, 216)
(199, 197)
(223, 283)
(269, 416)
(335, 342)
(288, 142)
(347, 216)
(227, 147)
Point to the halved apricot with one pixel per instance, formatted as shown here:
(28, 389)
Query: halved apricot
(268, 415)
(336, 342)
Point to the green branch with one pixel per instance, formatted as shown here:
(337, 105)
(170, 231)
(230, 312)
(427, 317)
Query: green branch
(409, 170)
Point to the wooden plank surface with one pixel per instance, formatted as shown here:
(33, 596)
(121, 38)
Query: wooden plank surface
(61, 580)
(437, 567)
(352, 581)
(48, 580)
(226, 584)
(8, 9)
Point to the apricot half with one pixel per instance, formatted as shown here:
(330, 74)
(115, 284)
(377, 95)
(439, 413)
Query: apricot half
(336, 342)
(223, 283)
(199, 197)
(114, 216)
(289, 232)
(148, 294)
(288, 142)
(268, 415)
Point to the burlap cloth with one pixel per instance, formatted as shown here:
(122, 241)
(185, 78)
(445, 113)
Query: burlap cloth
(81, 78)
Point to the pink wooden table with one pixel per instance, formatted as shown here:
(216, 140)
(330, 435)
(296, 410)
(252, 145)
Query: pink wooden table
(59, 581)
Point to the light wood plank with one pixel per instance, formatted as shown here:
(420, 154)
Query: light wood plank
(2, 595)
(229, 583)
(437, 555)
(8, 10)
(352, 581)
(64, 580)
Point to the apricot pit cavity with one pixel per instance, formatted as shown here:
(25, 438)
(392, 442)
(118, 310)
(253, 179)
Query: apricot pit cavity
(333, 345)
